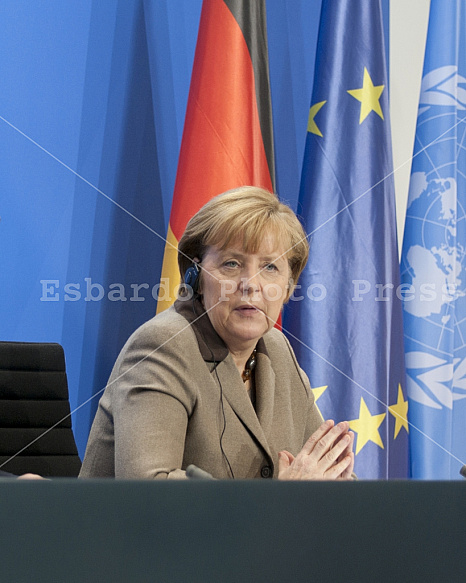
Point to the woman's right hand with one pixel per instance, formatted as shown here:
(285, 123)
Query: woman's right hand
(326, 455)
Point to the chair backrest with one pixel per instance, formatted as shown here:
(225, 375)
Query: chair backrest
(35, 422)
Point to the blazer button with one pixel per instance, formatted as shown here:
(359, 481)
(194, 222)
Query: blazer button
(266, 472)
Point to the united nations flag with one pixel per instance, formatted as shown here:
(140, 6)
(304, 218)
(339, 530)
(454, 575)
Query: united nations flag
(345, 319)
(434, 254)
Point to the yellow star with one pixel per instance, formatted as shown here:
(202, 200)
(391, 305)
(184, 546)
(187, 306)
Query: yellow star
(311, 124)
(400, 412)
(318, 392)
(369, 97)
(367, 427)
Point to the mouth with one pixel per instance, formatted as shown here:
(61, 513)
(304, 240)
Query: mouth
(247, 310)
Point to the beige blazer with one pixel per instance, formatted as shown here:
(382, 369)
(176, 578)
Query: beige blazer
(175, 397)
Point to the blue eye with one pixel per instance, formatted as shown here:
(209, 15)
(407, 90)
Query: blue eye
(231, 263)
(271, 267)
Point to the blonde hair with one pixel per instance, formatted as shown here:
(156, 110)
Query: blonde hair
(248, 214)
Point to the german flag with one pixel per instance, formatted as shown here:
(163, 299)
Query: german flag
(227, 137)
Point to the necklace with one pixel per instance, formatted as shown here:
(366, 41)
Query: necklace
(249, 366)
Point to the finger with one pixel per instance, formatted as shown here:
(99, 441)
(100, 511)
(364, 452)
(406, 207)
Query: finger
(347, 474)
(284, 461)
(336, 471)
(310, 444)
(334, 456)
(348, 453)
(329, 440)
(289, 455)
(349, 449)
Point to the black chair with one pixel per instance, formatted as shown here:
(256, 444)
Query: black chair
(35, 421)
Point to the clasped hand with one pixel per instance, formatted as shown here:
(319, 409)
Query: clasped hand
(326, 455)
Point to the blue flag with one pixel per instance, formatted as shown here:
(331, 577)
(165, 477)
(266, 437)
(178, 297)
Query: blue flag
(345, 319)
(433, 259)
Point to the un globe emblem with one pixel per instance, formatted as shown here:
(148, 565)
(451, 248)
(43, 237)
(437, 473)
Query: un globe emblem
(434, 263)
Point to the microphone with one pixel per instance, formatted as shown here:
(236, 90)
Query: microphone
(195, 473)
(463, 471)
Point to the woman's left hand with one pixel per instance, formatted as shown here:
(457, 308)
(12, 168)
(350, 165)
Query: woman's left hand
(326, 455)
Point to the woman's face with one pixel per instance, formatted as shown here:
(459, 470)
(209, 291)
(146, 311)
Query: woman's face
(243, 293)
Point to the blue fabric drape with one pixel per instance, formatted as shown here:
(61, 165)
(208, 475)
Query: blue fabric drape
(92, 104)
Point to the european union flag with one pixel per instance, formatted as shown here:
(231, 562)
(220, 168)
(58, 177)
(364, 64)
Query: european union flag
(345, 320)
(434, 254)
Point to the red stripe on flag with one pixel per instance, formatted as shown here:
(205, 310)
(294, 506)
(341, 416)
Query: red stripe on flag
(222, 144)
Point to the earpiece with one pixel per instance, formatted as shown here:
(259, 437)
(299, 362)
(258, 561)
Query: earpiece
(191, 277)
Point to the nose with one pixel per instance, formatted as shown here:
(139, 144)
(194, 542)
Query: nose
(250, 283)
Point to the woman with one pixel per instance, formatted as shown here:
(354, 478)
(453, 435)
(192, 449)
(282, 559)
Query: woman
(210, 381)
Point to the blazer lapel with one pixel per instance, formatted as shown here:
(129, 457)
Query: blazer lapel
(238, 399)
(265, 391)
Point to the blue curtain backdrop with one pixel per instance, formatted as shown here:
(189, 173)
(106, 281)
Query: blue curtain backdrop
(92, 103)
